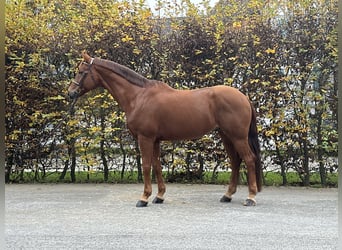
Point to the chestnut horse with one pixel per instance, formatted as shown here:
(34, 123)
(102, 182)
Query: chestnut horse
(156, 112)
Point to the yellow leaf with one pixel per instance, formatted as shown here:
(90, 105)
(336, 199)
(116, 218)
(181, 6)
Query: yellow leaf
(208, 61)
(72, 122)
(137, 51)
(126, 39)
(270, 51)
(255, 80)
(269, 133)
(197, 52)
(237, 24)
(95, 129)
(256, 41)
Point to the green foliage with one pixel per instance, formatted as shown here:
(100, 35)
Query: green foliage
(222, 178)
(282, 55)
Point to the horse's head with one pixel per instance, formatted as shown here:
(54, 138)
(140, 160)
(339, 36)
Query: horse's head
(85, 78)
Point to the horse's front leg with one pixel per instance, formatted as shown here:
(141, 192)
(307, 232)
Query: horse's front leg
(158, 171)
(146, 150)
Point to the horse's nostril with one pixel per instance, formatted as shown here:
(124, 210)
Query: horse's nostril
(72, 94)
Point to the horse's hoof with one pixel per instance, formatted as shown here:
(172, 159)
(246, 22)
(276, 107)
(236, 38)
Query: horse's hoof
(225, 199)
(249, 203)
(157, 200)
(141, 203)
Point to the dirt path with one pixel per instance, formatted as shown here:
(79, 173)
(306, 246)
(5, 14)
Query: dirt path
(103, 216)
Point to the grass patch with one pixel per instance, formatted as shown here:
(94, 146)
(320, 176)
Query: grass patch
(221, 178)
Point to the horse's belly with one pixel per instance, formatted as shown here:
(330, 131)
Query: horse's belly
(183, 126)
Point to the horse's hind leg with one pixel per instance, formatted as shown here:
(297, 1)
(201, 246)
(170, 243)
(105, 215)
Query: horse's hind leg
(235, 167)
(244, 150)
(158, 171)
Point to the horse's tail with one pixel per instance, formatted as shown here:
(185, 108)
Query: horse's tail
(255, 146)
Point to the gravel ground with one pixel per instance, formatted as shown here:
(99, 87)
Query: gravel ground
(104, 216)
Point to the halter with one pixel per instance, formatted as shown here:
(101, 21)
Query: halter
(84, 74)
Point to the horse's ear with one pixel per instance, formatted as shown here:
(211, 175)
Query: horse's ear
(86, 57)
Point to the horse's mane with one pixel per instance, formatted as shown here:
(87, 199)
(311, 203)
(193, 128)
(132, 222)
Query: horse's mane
(130, 75)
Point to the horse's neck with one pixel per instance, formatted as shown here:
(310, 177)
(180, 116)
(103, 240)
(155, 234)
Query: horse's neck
(123, 91)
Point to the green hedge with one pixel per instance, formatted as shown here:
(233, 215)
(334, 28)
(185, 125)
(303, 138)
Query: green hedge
(283, 57)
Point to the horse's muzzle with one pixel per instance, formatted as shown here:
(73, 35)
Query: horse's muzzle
(73, 94)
